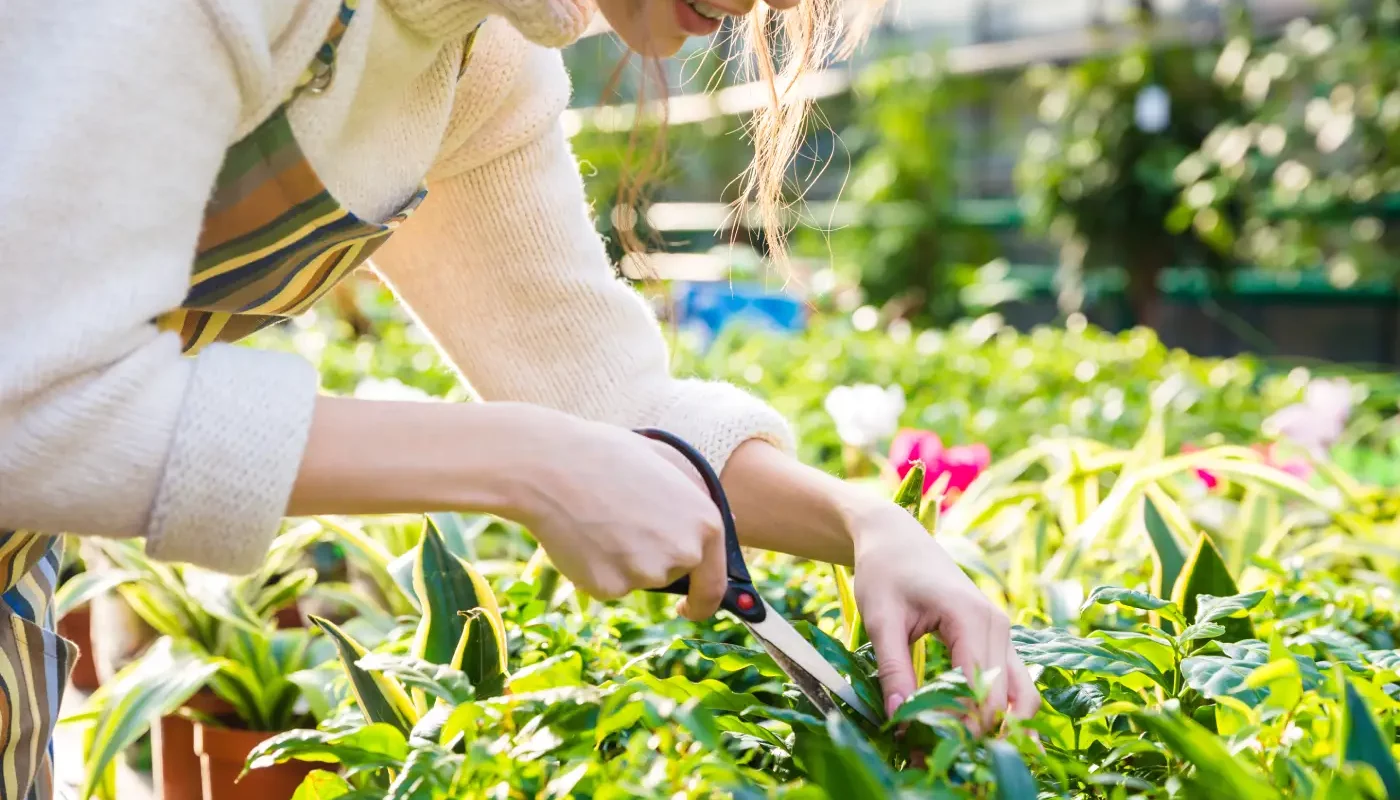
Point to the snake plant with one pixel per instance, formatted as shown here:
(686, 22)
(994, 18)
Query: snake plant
(216, 632)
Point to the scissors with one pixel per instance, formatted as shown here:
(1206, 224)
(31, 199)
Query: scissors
(812, 673)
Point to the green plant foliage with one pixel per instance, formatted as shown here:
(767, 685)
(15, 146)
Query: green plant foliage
(1309, 157)
(1189, 642)
(1098, 176)
(216, 633)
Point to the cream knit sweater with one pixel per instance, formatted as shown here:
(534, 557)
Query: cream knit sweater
(116, 115)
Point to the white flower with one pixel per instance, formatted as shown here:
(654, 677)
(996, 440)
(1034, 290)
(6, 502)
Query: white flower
(388, 389)
(1317, 422)
(865, 414)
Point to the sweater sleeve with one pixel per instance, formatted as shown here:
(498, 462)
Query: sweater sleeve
(503, 267)
(119, 112)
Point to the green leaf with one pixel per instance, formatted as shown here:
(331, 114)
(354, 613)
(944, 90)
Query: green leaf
(431, 725)
(1068, 652)
(1230, 674)
(284, 592)
(565, 669)
(372, 746)
(1214, 676)
(910, 495)
(448, 588)
(1215, 767)
(320, 688)
(440, 681)
(562, 784)
(945, 695)
(1205, 574)
(850, 613)
(401, 570)
(867, 688)
(1132, 598)
(460, 531)
(322, 785)
(1078, 700)
(711, 694)
(1107, 595)
(83, 587)
(794, 718)
(380, 699)
(841, 761)
(444, 589)
(1014, 781)
(1202, 630)
(162, 680)
(1364, 743)
(1281, 678)
(426, 773)
(1212, 609)
(481, 653)
(1168, 552)
(734, 658)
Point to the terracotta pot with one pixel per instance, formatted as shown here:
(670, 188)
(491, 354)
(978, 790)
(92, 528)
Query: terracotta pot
(76, 627)
(175, 763)
(290, 617)
(222, 754)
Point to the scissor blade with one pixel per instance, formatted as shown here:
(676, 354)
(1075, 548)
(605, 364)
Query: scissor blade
(805, 665)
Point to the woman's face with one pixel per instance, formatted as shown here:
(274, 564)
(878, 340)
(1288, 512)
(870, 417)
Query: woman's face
(659, 27)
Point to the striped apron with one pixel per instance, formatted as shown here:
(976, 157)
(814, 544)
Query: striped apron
(274, 241)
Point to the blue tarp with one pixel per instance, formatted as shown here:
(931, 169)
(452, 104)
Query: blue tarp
(709, 307)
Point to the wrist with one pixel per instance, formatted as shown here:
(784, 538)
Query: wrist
(503, 458)
(871, 519)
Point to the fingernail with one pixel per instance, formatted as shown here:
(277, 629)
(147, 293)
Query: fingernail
(893, 703)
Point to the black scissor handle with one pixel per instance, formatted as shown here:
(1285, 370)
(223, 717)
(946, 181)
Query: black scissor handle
(741, 598)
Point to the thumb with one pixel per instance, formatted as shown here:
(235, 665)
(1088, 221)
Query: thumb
(890, 637)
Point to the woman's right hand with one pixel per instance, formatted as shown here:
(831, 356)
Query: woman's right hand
(615, 510)
(616, 513)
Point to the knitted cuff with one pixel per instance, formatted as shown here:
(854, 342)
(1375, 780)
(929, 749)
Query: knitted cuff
(237, 449)
(715, 418)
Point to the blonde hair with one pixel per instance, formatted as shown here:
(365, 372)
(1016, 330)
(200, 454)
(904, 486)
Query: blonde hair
(778, 49)
(806, 38)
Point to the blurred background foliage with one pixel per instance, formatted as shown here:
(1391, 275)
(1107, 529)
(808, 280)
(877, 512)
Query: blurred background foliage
(1222, 172)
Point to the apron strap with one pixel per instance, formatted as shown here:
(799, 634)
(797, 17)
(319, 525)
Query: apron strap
(317, 76)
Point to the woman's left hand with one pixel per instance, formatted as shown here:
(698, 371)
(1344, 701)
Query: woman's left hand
(908, 586)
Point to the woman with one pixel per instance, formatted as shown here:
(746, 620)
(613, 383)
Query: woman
(177, 175)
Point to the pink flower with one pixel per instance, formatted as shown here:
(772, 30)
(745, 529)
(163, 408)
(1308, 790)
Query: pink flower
(911, 445)
(1317, 422)
(1297, 467)
(962, 464)
(1206, 477)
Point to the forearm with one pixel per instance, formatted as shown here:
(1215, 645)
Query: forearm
(379, 457)
(784, 505)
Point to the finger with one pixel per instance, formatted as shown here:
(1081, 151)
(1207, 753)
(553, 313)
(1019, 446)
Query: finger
(708, 581)
(1023, 695)
(970, 654)
(992, 645)
(890, 637)
(782, 5)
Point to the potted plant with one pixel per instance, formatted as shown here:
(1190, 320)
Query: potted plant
(266, 667)
(403, 692)
(220, 657)
(78, 587)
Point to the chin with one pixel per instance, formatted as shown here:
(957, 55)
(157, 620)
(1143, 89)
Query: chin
(647, 27)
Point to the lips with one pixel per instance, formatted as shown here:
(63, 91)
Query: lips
(692, 22)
